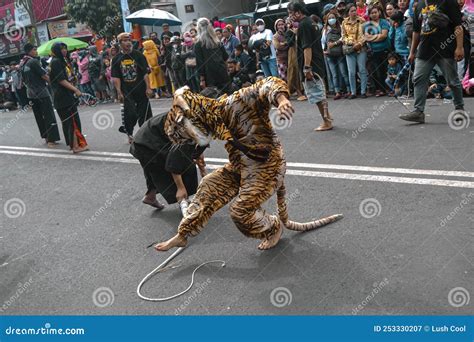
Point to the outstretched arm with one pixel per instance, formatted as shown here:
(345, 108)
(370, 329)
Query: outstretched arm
(275, 91)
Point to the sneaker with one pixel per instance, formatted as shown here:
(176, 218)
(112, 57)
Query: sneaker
(413, 116)
(364, 96)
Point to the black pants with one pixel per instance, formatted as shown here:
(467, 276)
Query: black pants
(158, 178)
(71, 126)
(136, 108)
(45, 119)
(378, 65)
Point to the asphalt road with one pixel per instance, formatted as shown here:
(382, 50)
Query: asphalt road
(73, 229)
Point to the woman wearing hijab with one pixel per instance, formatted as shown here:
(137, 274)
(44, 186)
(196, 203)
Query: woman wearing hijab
(281, 46)
(65, 96)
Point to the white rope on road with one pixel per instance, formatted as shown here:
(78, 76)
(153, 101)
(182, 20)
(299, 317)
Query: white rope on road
(183, 205)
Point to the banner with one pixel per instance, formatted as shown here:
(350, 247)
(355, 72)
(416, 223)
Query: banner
(22, 18)
(42, 32)
(68, 28)
(7, 18)
(237, 328)
(12, 43)
(127, 27)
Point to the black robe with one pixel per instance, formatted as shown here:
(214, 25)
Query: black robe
(152, 147)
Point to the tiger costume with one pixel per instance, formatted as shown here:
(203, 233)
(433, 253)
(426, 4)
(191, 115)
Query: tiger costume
(256, 166)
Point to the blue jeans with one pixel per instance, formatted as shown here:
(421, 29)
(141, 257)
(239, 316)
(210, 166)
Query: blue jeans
(269, 67)
(337, 65)
(357, 60)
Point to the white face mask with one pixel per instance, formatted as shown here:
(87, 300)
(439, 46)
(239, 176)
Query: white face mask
(260, 28)
(332, 21)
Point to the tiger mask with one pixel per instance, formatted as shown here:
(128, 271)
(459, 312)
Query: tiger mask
(191, 119)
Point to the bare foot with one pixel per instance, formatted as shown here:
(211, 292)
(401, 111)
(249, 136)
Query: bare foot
(153, 202)
(175, 241)
(325, 126)
(80, 149)
(52, 144)
(272, 240)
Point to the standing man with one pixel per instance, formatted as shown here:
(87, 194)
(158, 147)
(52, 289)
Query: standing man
(130, 76)
(35, 78)
(311, 61)
(433, 44)
(166, 31)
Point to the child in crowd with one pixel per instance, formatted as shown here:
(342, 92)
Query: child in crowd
(438, 88)
(393, 69)
(362, 9)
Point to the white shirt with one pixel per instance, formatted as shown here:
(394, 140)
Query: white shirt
(267, 35)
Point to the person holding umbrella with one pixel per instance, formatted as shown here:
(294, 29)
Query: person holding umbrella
(130, 75)
(66, 95)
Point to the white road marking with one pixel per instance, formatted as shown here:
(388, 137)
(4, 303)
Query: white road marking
(305, 173)
(375, 169)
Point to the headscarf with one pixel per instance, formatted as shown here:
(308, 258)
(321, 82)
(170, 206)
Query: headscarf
(276, 24)
(56, 51)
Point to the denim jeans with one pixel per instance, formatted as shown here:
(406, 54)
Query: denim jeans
(269, 67)
(421, 79)
(357, 60)
(337, 65)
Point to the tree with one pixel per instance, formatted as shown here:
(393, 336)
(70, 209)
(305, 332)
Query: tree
(102, 16)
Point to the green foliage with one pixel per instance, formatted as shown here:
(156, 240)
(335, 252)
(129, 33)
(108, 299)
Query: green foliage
(102, 16)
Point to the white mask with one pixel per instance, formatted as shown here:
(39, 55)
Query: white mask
(260, 28)
(332, 21)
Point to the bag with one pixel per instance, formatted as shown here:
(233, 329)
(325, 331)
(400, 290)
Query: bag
(409, 27)
(348, 49)
(437, 18)
(337, 50)
(190, 62)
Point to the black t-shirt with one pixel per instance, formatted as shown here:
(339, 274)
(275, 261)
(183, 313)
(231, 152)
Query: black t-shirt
(309, 36)
(32, 73)
(436, 42)
(59, 71)
(131, 69)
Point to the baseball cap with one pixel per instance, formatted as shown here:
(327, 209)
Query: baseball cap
(327, 8)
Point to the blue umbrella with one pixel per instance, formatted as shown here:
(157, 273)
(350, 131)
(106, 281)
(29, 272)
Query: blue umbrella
(153, 17)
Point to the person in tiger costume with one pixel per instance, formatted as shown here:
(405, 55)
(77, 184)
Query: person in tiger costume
(256, 166)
